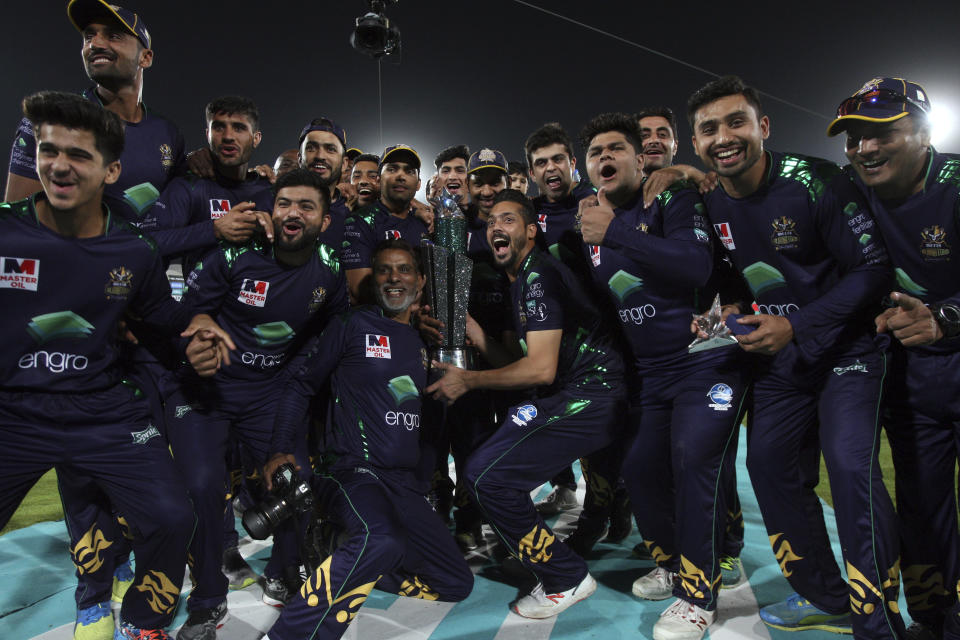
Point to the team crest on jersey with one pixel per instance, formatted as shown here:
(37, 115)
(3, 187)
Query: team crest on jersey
(253, 292)
(721, 397)
(784, 233)
(218, 208)
(542, 221)
(378, 346)
(317, 298)
(166, 156)
(19, 273)
(392, 234)
(595, 255)
(725, 232)
(934, 247)
(119, 284)
(524, 414)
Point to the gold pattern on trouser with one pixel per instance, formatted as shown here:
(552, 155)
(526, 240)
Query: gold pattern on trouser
(923, 586)
(656, 552)
(317, 589)
(597, 485)
(87, 554)
(862, 590)
(691, 577)
(416, 588)
(162, 594)
(535, 544)
(124, 527)
(784, 553)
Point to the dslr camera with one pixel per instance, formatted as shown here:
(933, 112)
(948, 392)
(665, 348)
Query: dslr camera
(290, 495)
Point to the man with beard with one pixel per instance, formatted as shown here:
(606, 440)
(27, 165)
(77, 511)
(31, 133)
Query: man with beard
(272, 299)
(577, 375)
(195, 213)
(322, 146)
(392, 217)
(802, 237)
(286, 161)
(914, 196)
(486, 177)
(366, 179)
(377, 366)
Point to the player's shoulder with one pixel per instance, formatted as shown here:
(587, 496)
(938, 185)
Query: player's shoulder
(17, 211)
(328, 256)
(118, 227)
(366, 214)
(677, 188)
(946, 170)
(812, 173)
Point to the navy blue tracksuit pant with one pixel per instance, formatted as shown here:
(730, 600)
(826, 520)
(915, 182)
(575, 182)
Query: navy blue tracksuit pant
(394, 541)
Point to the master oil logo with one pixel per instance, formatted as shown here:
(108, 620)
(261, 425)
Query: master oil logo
(392, 234)
(535, 545)
(623, 284)
(595, 255)
(784, 233)
(317, 591)
(761, 278)
(119, 284)
(253, 292)
(19, 273)
(542, 221)
(273, 333)
(934, 247)
(162, 594)
(60, 324)
(725, 233)
(219, 208)
(377, 346)
(403, 388)
(317, 297)
(87, 553)
(783, 553)
(141, 197)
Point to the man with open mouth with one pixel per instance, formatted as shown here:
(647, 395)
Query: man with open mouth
(365, 178)
(913, 192)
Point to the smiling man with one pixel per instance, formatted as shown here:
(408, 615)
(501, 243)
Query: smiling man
(570, 361)
(365, 178)
(803, 239)
(914, 193)
(322, 146)
(658, 134)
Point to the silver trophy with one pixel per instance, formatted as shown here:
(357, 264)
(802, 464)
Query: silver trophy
(718, 333)
(448, 271)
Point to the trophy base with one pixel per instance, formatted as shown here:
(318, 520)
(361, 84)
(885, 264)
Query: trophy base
(463, 357)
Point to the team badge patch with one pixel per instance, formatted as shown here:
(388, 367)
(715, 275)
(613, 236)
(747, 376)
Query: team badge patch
(219, 208)
(725, 232)
(19, 273)
(377, 346)
(424, 360)
(934, 247)
(721, 397)
(524, 414)
(542, 221)
(317, 298)
(166, 156)
(119, 284)
(253, 292)
(784, 233)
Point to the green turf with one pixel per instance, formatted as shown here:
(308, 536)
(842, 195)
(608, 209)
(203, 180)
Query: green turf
(42, 503)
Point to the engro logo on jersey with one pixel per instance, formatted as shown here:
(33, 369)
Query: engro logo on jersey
(19, 273)
(253, 292)
(378, 346)
(218, 208)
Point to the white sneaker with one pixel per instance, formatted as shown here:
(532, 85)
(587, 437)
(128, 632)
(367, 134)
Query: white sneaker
(546, 605)
(656, 585)
(683, 621)
(560, 499)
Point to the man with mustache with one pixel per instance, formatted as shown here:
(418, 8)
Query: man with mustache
(393, 539)
(322, 146)
(272, 298)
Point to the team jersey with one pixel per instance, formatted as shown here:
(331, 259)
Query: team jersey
(339, 212)
(367, 227)
(653, 263)
(377, 369)
(546, 296)
(189, 206)
(807, 247)
(489, 287)
(64, 298)
(268, 308)
(557, 227)
(922, 233)
(152, 156)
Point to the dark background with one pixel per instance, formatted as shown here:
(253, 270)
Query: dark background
(488, 73)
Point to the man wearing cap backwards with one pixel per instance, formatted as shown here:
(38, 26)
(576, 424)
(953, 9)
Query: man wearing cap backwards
(322, 147)
(802, 237)
(914, 194)
(569, 358)
(391, 217)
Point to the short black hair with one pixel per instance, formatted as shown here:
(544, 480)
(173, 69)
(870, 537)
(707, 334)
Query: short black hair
(367, 157)
(303, 178)
(548, 134)
(75, 112)
(448, 154)
(517, 197)
(621, 122)
(659, 112)
(398, 245)
(516, 167)
(721, 88)
(235, 105)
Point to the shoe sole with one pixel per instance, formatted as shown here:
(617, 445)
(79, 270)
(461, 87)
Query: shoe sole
(276, 604)
(220, 624)
(809, 627)
(583, 595)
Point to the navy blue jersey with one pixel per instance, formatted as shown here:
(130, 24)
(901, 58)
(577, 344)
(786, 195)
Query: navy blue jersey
(546, 295)
(652, 264)
(557, 222)
(339, 212)
(807, 247)
(269, 309)
(489, 287)
(152, 155)
(369, 226)
(189, 205)
(922, 234)
(377, 369)
(64, 298)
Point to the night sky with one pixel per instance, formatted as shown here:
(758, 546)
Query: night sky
(488, 73)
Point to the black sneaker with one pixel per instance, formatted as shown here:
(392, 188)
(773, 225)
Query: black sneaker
(278, 591)
(202, 624)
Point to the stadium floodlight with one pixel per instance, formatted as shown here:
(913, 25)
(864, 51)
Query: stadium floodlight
(942, 121)
(373, 34)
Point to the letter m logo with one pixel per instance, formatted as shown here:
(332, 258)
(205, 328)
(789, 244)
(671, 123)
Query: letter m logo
(218, 208)
(377, 341)
(254, 286)
(20, 265)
